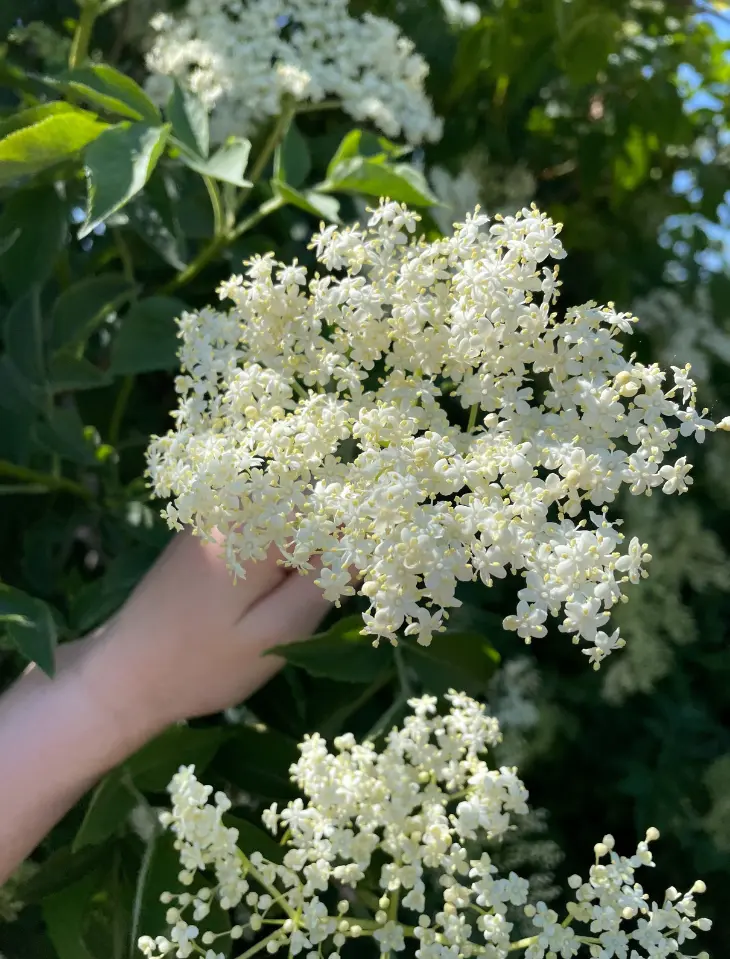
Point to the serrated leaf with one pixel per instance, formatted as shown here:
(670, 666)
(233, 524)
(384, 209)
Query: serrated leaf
(114, 91)
(31, 626)
(228, 163)
(318, 204)
(84, 305)
(52, 140)
(458, 660)
(342, 653)
(118, 164)
(26, 118)
(41, 217)
(147, 339)
(69, 372)
(400, 181)
(189, 120)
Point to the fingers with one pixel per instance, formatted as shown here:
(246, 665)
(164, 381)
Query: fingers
(290, 612)
(193, 573)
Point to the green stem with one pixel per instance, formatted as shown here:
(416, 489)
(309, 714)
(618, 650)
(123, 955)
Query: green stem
(316, 107)
(522, 943)
(142, 875)
(223, 237)
(125, 257)
(90, 10)
(400, 665)
(120, 407)
(278, 132)
(219, 243)
(259, 945)
(43, 479)
(216, 204)
(203, 258)
(473, 413)
(272, 890)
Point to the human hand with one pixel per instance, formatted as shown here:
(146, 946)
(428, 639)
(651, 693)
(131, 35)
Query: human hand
(190, 641)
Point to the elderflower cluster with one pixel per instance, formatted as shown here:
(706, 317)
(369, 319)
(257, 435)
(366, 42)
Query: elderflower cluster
(241, 56)
(327, 415)
(402, 821)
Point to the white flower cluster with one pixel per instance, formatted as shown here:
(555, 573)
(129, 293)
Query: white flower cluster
(322, 415)
(401, 821)
(241, 56)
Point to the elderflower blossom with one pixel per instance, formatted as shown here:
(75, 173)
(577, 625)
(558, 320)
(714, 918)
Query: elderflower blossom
(324, 415)
(402, 821)
(241, 56)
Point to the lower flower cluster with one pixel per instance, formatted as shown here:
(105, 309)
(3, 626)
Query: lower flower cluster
(391, 845)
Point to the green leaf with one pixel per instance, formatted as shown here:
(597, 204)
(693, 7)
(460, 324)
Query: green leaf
(257, 759)
(82, 307)
(24, 337)
(52, 140)
(228, 163)
(99, 600)
(155, 764)
(26, 118)
(60, 870)
(147, 339)
(362, 143)
(341, 652)
(110, 804)
(114, 91)
(64, 914)
(63, 433)
(118, 164)
(18, 395)
(292, 161)
(319, 205)
(401, 181)
(459, 660)
(189, 120)
(149, 770)
(41, 216)
(68, 372)
(31, 626)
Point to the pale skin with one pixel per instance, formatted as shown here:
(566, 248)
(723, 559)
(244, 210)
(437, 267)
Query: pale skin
(188, 642)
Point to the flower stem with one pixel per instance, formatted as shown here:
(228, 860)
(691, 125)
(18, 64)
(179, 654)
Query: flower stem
(216, 204)
(272, 890)
(522, 943)
(27, 475)
(278, 132)
(259, 945)
(473, 413)
(90, 10)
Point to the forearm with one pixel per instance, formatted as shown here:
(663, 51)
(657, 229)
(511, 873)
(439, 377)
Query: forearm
(57, 737)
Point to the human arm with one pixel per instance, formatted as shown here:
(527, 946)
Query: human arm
(188, 642)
